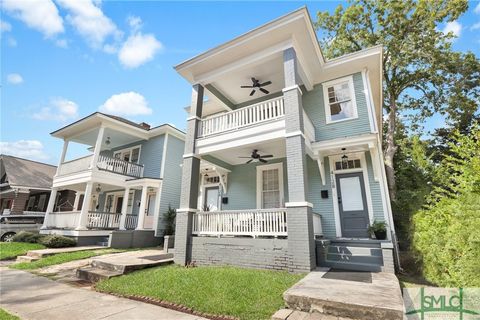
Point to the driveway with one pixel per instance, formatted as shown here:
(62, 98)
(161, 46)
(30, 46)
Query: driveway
(34, 297)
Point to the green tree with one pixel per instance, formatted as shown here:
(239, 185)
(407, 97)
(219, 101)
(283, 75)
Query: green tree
(421, 71)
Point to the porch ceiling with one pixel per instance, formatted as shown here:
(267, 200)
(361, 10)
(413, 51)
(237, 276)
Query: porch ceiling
(232, 155)
(117, 138)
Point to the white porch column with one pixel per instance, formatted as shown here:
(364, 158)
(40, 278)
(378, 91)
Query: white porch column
(143, 206)
(157, 213)
(75, 202)
(50, 206)
(62, 157)
(124, 208)
(98, 147)
(87, 199)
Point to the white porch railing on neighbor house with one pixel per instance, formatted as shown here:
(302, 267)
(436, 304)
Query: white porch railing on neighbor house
(40, 213)
(119, 166)
(63, 220)
(254, 222)
(103, 220)
(257, 113)
(131, 221)
(309, 128)
(76, 165)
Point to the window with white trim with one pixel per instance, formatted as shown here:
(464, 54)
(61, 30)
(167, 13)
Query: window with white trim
(270, 186)
(130, 154)
(339, 100)
(349, 164)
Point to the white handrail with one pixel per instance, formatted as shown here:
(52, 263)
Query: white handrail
(254, 222)
(119, 166)
(257, 113)
(103, 220)
(131, 221)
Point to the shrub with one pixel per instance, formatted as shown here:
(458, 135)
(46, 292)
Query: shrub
(29, 237)
(56, 241)
(169, 217)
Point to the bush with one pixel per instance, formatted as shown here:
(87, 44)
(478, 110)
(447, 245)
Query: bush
(29, 237)
(169, 218)
(56, 241)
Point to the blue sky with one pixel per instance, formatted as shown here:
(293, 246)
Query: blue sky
(62, 60)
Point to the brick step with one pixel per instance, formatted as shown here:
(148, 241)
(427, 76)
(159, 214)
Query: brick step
(93, 274)
(26, 259)
(354, 266)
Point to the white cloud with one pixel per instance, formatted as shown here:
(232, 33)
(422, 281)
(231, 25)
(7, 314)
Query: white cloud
(454, 27)
(89, 20)
(475, 26)
(127, 103)
(14, 78)
(59, 109)
(32, 149)
(41, 15)
(5, 26)
(138, 49)
(62, 43)
(477, 9)
(135, 23)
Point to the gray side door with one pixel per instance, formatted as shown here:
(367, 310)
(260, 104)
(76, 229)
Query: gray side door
(352, 203)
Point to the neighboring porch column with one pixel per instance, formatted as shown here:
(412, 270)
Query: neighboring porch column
(190, 176)
(62, 157)
(87, 199)
(98, 147)
(77, 199)
(301, 243)
(50, 206)
(143, 207)
(126, 194)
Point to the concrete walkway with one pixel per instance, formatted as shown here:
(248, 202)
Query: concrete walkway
(48, 252)
(32, 297)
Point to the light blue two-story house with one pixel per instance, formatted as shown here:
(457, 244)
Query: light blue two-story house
(128, 179)
(283, 163)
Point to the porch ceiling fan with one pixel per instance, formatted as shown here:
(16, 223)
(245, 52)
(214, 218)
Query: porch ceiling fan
(257, 85)
(256, 156)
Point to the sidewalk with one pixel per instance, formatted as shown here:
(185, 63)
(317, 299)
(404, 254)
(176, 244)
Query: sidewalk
(32, 297)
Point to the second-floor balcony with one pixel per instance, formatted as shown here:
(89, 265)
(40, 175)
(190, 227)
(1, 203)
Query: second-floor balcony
(104, 163)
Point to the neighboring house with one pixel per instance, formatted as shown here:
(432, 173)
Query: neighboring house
(127, 182)
(25, 186)
(317, 122)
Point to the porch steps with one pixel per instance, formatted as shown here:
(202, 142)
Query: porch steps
(26, 259)
(289, 314)
(123, 263)
(103, 242)
(355, 255)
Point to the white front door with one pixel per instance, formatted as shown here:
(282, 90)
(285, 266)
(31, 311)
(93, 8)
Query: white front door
(212, 195)
(150, 211)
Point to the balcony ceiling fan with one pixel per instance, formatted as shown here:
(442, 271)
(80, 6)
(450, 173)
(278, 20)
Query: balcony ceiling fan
(255, 156)
(256, 84)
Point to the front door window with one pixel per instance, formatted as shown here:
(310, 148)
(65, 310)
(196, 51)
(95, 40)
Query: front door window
(211, 198)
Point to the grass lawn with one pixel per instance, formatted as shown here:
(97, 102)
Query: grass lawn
(9, 250)
(4, 315)
(62, 258)
(243, 293)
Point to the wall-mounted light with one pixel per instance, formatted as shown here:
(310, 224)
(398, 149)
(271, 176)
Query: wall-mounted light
(344, 158)
(98, 188)
(107, 142)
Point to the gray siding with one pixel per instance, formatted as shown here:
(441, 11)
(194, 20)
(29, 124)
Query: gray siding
(375, 192)
(314, 106)
(242, 185)
(172, 179)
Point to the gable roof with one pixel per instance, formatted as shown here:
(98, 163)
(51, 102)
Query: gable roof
(27, 173)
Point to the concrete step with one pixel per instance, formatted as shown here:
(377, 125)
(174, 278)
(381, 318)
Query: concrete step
(93, 274)
(123, 267)
(355, 250)
(26, 259)
(354, 266)
(34, 254)
(289, 314)
(357, 243)
(102, 243)
(348, 258)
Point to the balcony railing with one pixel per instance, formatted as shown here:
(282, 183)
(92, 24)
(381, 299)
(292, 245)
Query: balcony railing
(254, 222)
(120, 166)
(76, 165)
(257, 113)
(103, 220)
(131, 221)
(63, 220)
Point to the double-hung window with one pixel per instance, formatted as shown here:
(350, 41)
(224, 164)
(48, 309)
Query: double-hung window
(270, 186)
(339, 100)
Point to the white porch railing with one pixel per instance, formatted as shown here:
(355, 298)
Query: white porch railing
(63, 220)
(103, 220)
(254, 222)
(308, 127)
(40, 213)
(257, 113)
(131, 221)
(119, 166)
(317, 225)
(76, 165)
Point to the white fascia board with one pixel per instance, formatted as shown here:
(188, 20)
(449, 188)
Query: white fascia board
(347, 58)
(343, 142)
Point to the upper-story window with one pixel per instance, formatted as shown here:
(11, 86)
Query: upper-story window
(130, 154)
(340, 102)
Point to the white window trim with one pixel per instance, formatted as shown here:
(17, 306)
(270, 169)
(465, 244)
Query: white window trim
(325, 85)
(262, 168)
(116, 195)
(130, 149)
(366, 181)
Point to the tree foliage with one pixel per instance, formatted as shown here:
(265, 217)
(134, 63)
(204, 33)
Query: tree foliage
(421, 72)
(446, 236)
